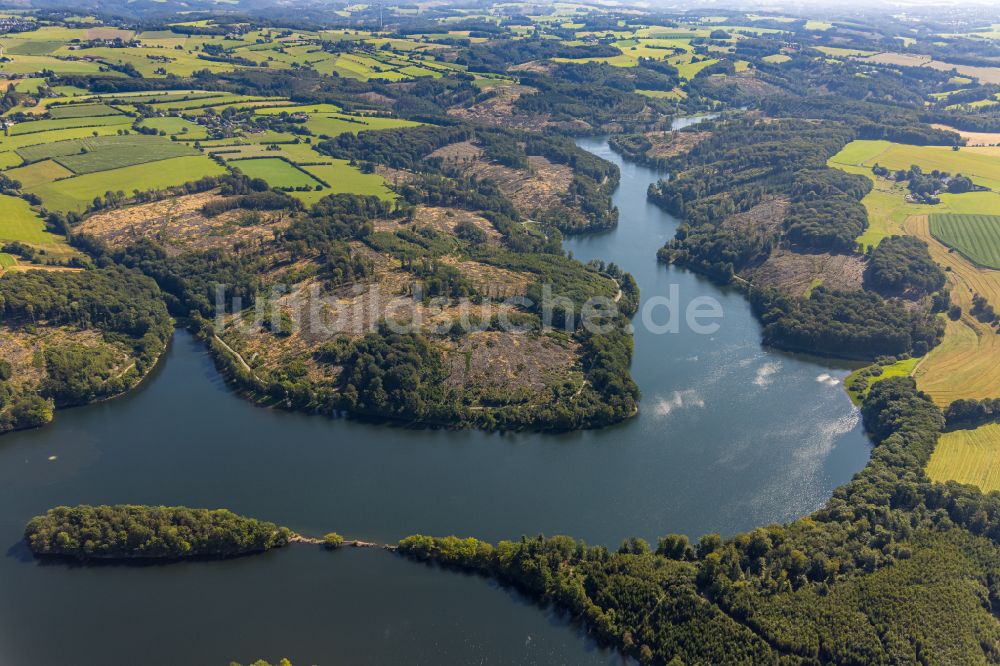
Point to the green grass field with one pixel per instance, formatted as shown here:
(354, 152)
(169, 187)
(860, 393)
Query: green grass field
(276, 171)
(73, 194)
(6, 260)
(32, 64)
(975, 236)
(176, 126)
(886, 203)
(107, 152)
(38, 173)
(982, 165)
(342, 178)
(18, 222)
(35, 126)
(125, 153)
(333, 125)
(9, 145)
(82, 110)
(33, 48)
(968, 456)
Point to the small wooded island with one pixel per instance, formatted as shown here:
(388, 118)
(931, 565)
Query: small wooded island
(125, 532)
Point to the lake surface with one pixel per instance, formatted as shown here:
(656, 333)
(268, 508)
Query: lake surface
(729, 436)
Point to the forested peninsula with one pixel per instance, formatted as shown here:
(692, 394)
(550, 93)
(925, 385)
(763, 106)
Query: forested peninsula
(125, 532)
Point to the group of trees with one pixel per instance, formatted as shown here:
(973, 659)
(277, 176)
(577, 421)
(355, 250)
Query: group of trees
(968, 413)
(851, 324)
(902, 264)
(88, 532)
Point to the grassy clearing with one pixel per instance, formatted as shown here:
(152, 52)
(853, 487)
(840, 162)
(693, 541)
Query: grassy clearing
(276, 171)
(975, 236)
(18, 222)
(903, 368)
(968, 456)
(6, 261)
(777, 58)
(73, 194)
(676, 93)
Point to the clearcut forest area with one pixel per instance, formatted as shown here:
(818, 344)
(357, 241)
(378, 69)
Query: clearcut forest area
(323, 204)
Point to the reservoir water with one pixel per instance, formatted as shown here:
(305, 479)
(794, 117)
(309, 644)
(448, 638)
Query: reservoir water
(729, 436)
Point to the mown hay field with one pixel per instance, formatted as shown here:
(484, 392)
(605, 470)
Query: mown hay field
(975, 236)
(968, 456)
(967, 362)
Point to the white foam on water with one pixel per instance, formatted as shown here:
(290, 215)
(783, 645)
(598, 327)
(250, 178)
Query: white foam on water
(664, 405)
(766, 372)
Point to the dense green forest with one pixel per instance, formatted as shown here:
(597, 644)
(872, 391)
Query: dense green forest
(57, 311)
(143, 532)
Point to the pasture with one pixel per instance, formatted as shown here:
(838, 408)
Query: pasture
(334, 125)
(276, 171)
(886, 203)
(341, 177)
(107, 152)
(69, 123)
(82, 110)
(20, 223)
(74, 194)
(173, 126)
(968, 456)
(975, 236)
(38, 173)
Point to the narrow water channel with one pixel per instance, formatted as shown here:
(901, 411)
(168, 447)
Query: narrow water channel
(729, 436)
